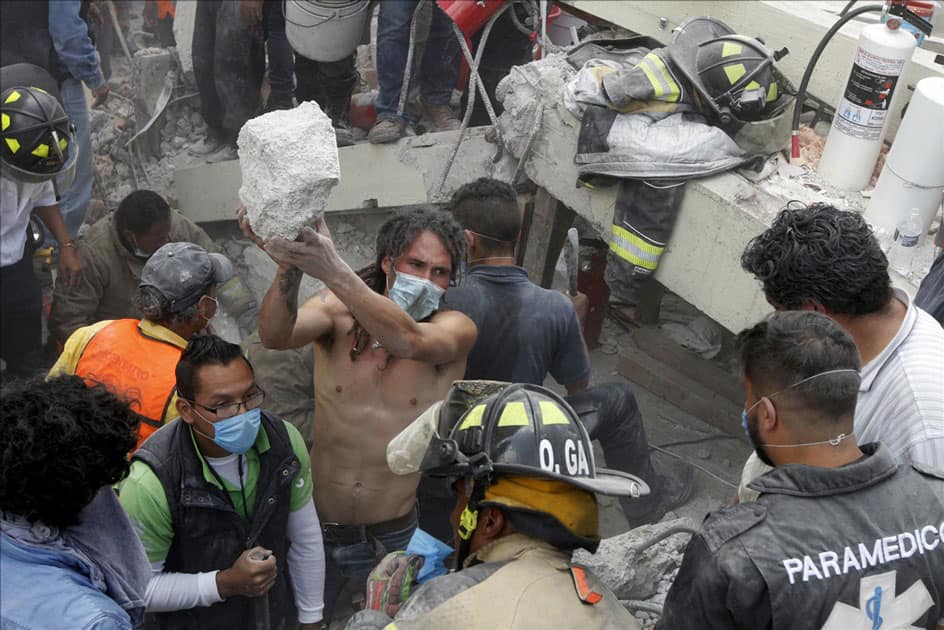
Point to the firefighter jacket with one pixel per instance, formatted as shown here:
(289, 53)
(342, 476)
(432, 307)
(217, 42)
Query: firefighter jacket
(135, 360)
(849, 548)
(514, 582)
(110, 276)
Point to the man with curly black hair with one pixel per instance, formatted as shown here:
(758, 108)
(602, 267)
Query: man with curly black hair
(827, 260)
(384, 352)
(69, 557)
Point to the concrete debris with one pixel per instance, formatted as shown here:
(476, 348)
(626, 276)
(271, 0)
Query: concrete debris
(289, 163)
(639, 576)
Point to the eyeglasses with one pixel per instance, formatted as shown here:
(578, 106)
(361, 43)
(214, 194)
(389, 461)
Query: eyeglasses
(229, 410)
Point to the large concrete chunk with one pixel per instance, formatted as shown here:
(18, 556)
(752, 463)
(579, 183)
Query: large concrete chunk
(289, 163)
(638, 575)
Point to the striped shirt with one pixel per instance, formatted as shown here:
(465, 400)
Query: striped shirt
(901, 397)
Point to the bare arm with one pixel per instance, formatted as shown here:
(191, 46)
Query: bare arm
(69, 264)
(446, 338)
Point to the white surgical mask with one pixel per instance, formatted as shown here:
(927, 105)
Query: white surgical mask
(417, 296)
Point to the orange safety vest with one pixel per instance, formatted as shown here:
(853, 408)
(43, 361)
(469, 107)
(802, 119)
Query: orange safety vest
(165, 9)
(135, 367)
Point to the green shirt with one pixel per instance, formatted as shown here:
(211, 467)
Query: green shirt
(142, 495)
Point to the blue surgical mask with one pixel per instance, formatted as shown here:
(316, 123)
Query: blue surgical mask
(417, 296)
(237, 434)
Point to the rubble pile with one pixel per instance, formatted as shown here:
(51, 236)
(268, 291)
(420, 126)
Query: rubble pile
(639, 575)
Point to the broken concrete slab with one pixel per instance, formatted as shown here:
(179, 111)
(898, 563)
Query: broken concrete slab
(289, 163)
(633, 574)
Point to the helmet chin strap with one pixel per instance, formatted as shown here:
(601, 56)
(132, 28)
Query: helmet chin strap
(468, 520)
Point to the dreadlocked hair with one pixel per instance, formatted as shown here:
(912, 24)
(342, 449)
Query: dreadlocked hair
(393, 238)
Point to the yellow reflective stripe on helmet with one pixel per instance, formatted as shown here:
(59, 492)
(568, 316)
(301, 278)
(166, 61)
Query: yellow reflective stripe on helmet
(753, 85)
(63, 143)
(14, 97)
(731, 48)
(513, 415)
(13, 143)
(551, 413)
(735, 71)
(473, 418)
(41, 150)
(635, 250)
(772, 93)
(390, 626)
(6, 122)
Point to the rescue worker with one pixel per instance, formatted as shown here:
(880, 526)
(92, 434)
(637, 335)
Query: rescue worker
(438, 71)
(827, 260)
(527, 332)
(38, 146)
(383, 351)
(69, 557)
(221, 498)
(842, 536)
(54, 35)
(136, 358)
(524, 475)
(113, 252)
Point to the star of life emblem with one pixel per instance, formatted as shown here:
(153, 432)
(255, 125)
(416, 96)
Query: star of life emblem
(880, 608)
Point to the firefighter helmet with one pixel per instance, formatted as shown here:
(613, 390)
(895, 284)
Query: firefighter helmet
(528, 431)
(38, 140)
(732, 75)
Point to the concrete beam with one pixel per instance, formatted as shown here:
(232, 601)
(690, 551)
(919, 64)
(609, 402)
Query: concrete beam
(797, 25)
(401, 174)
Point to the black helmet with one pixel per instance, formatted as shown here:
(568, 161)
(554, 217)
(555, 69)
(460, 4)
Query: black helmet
(529, 431)
(38, 141)
(733, 75)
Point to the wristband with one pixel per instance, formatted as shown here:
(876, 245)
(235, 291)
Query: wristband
(69, 243)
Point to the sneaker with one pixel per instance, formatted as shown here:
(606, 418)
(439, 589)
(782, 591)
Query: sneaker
(226, 153)
(671, 489)
(210, 144)
(386, 131)
(441, 117)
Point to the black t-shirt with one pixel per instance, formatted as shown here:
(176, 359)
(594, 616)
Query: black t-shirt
(525, 331)
(930, 296)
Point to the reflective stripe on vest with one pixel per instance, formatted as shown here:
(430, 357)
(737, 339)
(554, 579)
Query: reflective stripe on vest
(635, 249)
(134, 367)
(664, 86)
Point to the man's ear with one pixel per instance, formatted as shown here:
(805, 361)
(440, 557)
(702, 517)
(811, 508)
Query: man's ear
(767, 419)
(386, 264)
(184, 410)
(812, 305)
(469, 238)
(492, 522)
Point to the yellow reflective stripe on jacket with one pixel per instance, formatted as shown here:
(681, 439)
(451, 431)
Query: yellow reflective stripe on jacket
(663, 84)
(635, 250)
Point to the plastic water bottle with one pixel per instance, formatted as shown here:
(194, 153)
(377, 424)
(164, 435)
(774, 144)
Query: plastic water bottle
(907, 234)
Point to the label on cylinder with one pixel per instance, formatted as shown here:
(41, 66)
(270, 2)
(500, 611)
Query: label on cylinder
(863, 108)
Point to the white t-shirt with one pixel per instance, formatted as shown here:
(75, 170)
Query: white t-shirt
(17, 201)
(901, 397)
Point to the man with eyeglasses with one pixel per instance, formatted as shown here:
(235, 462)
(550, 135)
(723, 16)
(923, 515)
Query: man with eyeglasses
(221, 499)
(134, 358)
(841, 535)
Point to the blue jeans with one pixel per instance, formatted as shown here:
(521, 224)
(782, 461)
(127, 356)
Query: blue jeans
(438, 71)
(281, 55)
(74, 201)
(354, 559)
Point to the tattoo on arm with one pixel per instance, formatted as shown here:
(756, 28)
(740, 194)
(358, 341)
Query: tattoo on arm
(289, 283)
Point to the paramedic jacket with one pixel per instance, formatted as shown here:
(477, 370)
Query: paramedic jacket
(860, 546)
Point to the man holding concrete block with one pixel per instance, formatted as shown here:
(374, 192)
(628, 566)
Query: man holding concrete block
(384, 352)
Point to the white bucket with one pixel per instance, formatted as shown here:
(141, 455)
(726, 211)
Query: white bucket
(325, 30)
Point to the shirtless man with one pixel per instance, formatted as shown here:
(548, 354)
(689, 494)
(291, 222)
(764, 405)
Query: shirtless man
(383, 354)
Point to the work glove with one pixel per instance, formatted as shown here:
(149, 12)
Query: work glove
(391, 582)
